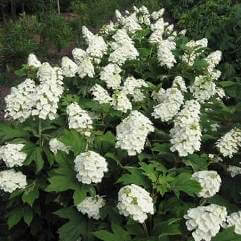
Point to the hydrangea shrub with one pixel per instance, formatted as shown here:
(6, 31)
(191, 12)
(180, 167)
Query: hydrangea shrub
(127, 140)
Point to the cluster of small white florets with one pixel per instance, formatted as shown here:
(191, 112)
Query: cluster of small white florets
(84, 63)
(19, 102)
(33, 61)
(213, 60)
(193, 50)
(91, 206)
(210, 183)
(69, 67)
(96, 45)
(129, 22)
(136, 202)
(143, 15)
(12, 154)
(110, 74)
(90, 167)
(10, 180)
(205, 221)
(233, 219)
(164, 53)
(132, 86)
(132, 133)
(230, 143)
(233, 170)
(203, 88)
(49, 91)
(123, 48)
(79, 119)
(119, 98)
(170, 100)
(121, 102)
(55, 145)
(100, 94)
(37, 100)
(186, 133)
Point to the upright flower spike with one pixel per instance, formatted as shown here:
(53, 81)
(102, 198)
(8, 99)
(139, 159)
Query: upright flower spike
(186, 133)
(132, 133)
(230, 143)
(20, 101)
(79, 119)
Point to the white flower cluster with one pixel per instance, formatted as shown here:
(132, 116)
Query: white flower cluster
(143, 15)
(205, 221)
(234, 219)
(170, 101)
(55, 145)
(10, 180)
(203, 88)
(186, 133)
(129, 23)
(233, 170)
(230, 143)
(33, 61)
(119, 98)
(111, 76)
(84, 63)
(164, 53)
(100, 94)
(132, 133)
(210, 182)
(136, 202)
(91, 206)
(123, 48)
(68, 67)
(132, 86)
(90, 167)
(121, 102)
(12, 155)
(29, 99)
(79, 119)
(19, 102)
(48, 93)
(193, 50)
(96, 45)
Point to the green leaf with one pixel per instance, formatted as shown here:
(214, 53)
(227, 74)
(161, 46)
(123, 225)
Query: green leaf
(9, 132)
(198, 163)
(184, 182)
(106, 236)
(14, 217)
(28, 215)
(80, 193)
(30, 194)
(34, 153)
(227, 235)
(61, 184)
(168, 228)
(135, 177)
(74, 141)
(119, 234)
(67, 213)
